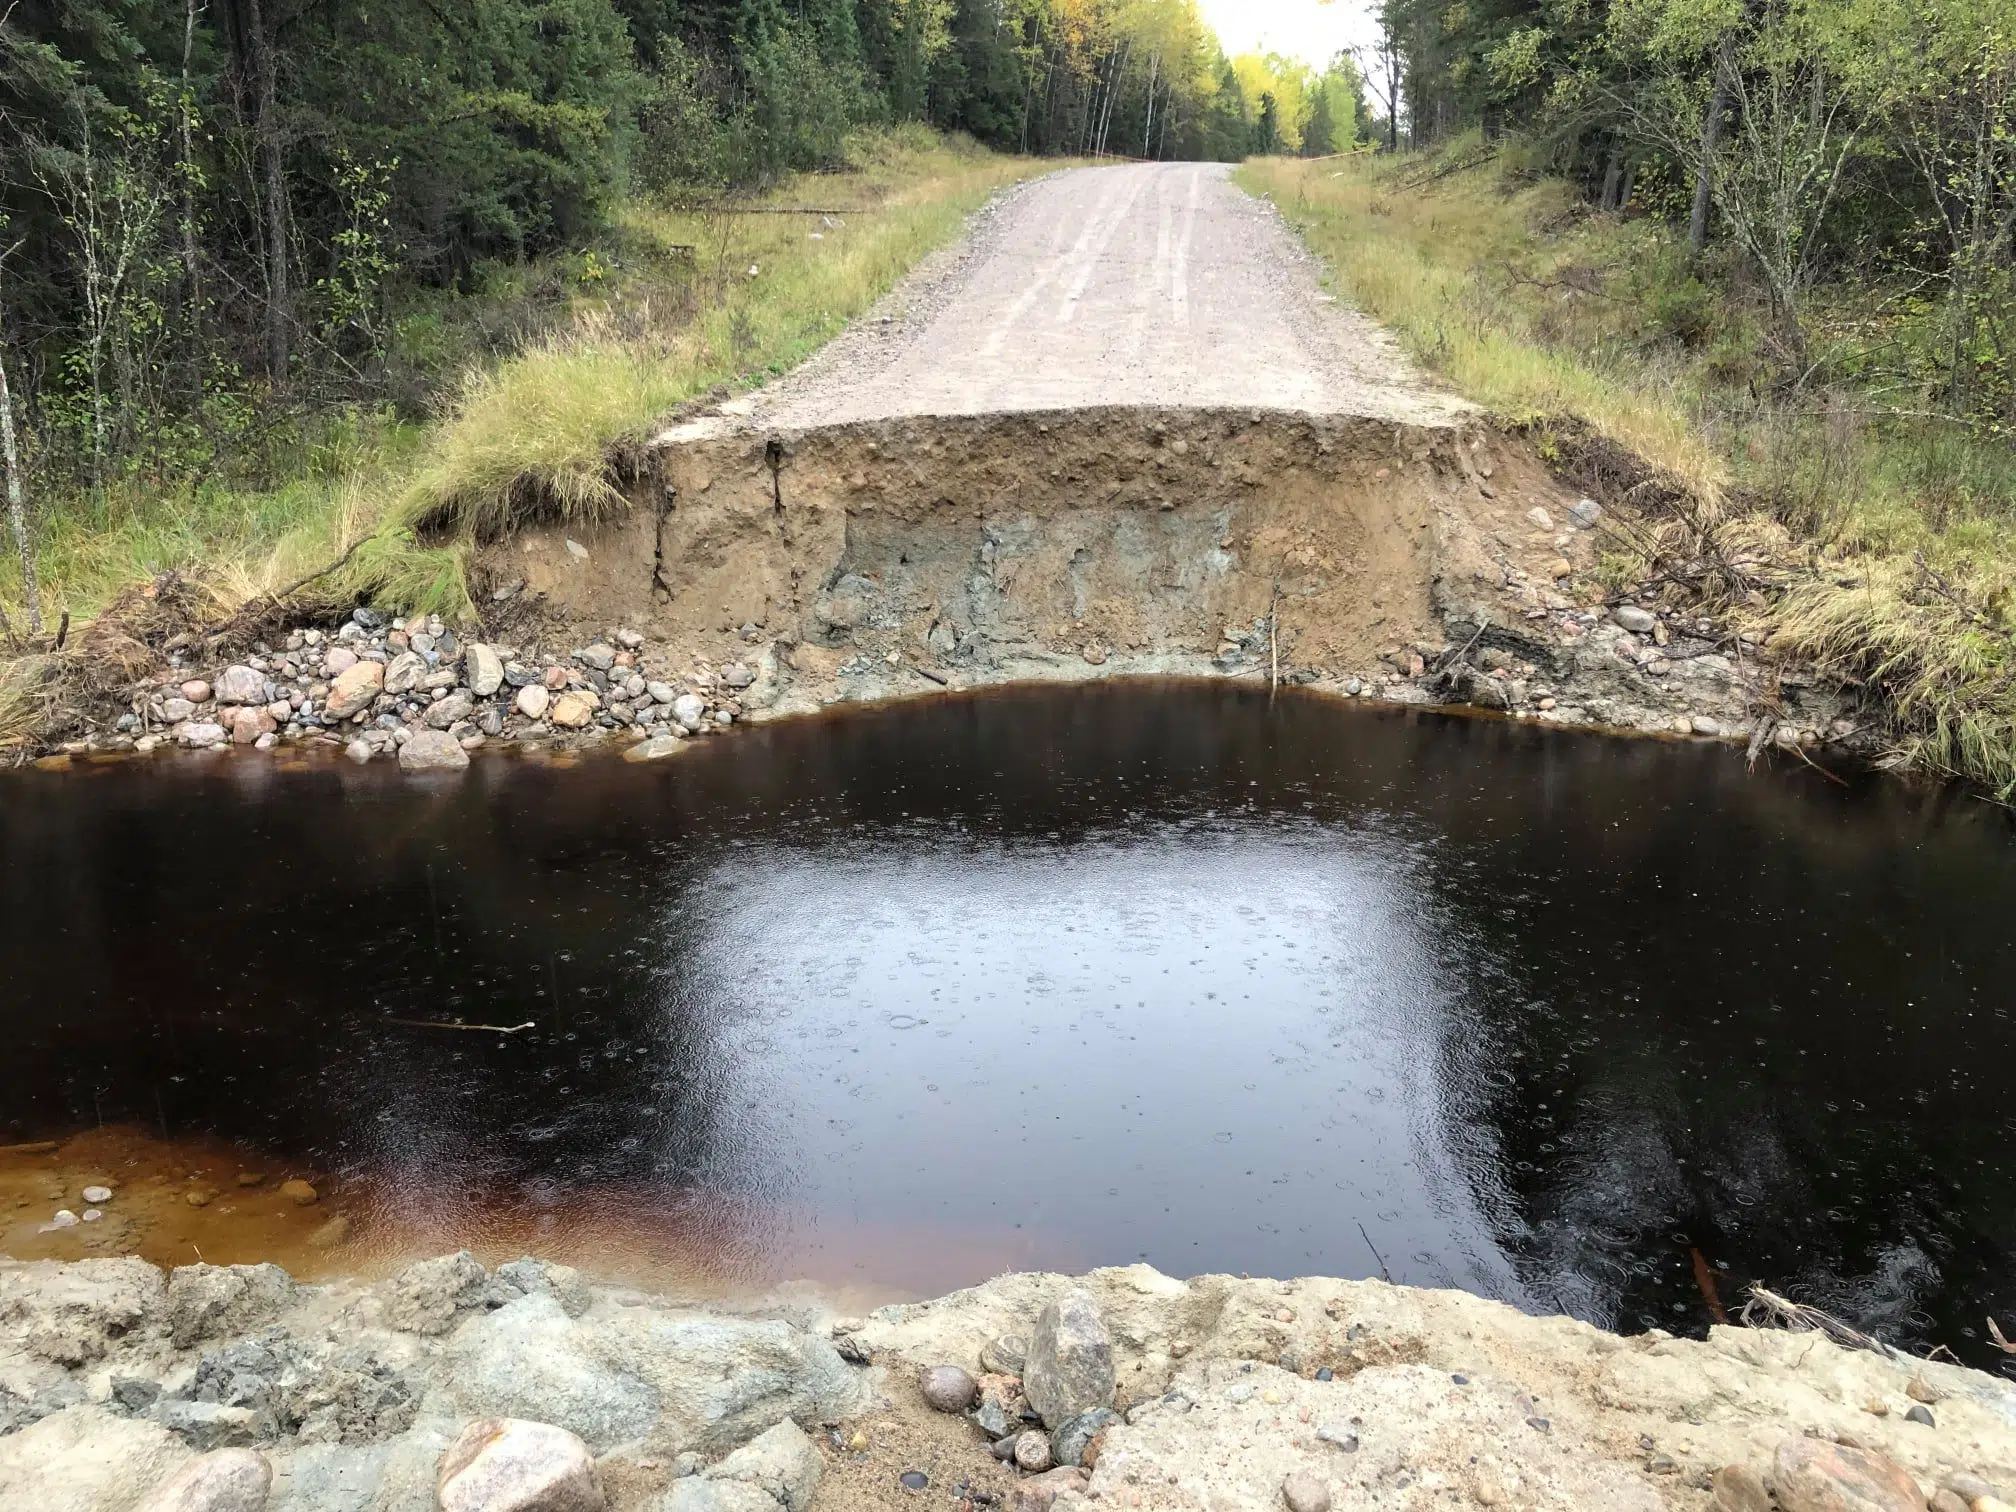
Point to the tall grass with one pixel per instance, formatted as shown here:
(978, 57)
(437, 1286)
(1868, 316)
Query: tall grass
(1895, 531)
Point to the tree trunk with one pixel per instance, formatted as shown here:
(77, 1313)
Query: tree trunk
(192, 287)
(273, 169)
(1711, 142)
(1613, 174)
(17, 507)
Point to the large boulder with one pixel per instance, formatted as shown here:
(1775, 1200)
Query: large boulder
(212, 1301)
(722, 1381)
(1070, 1364)
(85, 1459)
(514, 1465)
(231, 1480)
(530, 1360)
(71, 1315)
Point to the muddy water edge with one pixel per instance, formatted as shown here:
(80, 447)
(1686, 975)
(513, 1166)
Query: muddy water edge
(900, 997)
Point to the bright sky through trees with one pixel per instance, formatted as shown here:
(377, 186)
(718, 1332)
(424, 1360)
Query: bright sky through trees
(1311, 30)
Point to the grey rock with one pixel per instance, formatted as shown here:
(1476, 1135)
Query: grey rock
(1005, 1355)
(491, 721)
(432, 751)
(689, 709)
(530, 1358)
(629, 640)
(486, 670)
(240, 685)
(1703, 725)
(1584, 513)
(405, 672)
(993, 1419)
(204, 1426)
(427, 1296)
(528, 1277)
(598, 656)
(135, 1393)
(1631, 617)
(203, 732)
(780, 1466)
(446, 713)
(1070, 1365)
(724, 1380)
(1069, 1442)
(225, 1480)
(175, 710)
(358, 750)
(1303, 1492)
(661, 692)
(1032, 1452)
(513, 1465)
(330, 1477)
(948, 1388)
(735, 675)
(210, 1301)
(72, 1314)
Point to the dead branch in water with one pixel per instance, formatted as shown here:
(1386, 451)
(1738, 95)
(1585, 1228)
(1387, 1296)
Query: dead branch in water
(1766, 1309)
(1704, 1278)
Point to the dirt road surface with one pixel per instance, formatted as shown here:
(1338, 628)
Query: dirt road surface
(1155, 284)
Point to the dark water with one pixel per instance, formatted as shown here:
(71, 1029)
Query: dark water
(1078, 977)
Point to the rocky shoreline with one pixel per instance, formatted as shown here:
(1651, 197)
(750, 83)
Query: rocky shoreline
(528, 1388)
(415, 691)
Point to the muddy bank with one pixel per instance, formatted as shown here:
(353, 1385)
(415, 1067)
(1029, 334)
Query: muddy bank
(1215, 1393)
(758, 573)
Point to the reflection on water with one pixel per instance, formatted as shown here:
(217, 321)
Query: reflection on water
(1069, 977)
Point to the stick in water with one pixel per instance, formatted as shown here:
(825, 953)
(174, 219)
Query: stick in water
(442, 1024)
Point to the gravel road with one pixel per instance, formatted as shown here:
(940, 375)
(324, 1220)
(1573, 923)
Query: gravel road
(1157, 284)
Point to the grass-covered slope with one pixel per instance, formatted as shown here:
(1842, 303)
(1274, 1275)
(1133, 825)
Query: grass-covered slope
(1834, 519)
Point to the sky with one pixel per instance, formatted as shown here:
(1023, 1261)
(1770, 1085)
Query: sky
(1305, 29)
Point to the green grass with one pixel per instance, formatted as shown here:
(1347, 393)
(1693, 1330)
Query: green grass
(1883, 543)
(665, 311)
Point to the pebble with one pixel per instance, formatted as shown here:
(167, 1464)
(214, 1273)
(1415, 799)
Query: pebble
(1032, 1452)
(241, 685)
(339, 660)
(914, 1480)
(689, 710)
(1303, 1492)
(196, 690)
(1703, 725)
(948, 1388)
(1339, 1434)
(573, 711)
(64, 1218)
(298, 1192)
(97, 1196)
(1584, 513)
(1540, 518)
(200, 1195)
(598, 656)
(531, 701)
(1631, 617)
(1920, 1414)
(358, 750)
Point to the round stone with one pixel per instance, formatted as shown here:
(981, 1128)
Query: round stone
(298, 1192)
(97, 1196)
(1032, 1452)
(948, 1388)
(1303, 1492)
(914, 1480)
